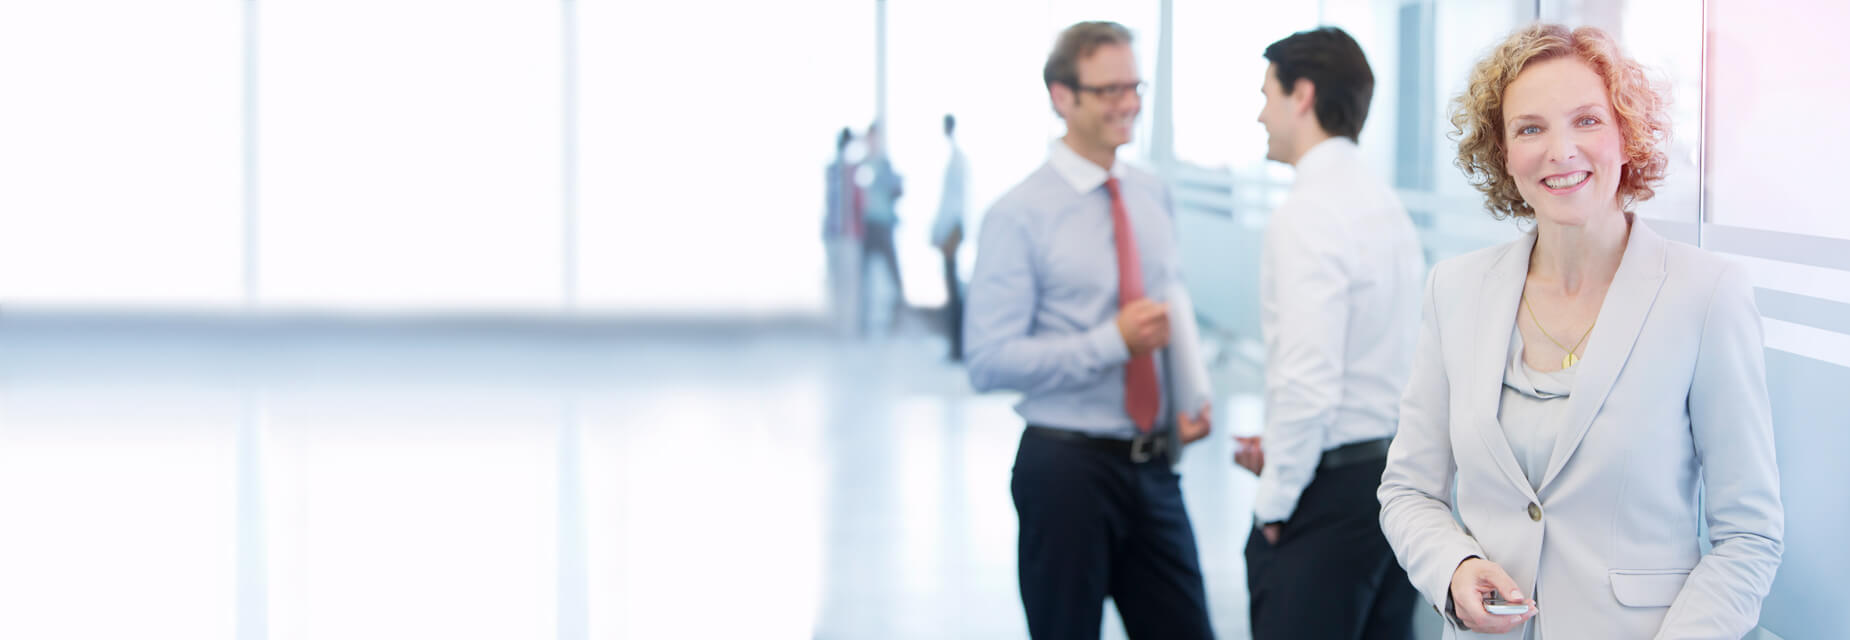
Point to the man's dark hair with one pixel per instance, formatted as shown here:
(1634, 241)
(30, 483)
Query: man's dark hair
(950, 124)
(1333, 63)
(841, 141)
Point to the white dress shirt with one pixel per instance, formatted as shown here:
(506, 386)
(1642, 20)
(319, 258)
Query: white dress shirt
(952, 200)
(1076, 170)
(1340, 277)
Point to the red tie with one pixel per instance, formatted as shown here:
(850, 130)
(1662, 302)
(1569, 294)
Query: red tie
(1140, 394)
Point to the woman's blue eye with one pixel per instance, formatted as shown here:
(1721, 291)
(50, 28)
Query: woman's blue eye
(1588, 121)
(1528, 130)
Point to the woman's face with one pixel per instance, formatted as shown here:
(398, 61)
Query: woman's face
(1562, 141)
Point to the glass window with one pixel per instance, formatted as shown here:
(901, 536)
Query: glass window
(987, 72)
(1666, 37)
(410, 154)
(1775, 97)
(1219, 67)
(702, 149)
(121, 170)
(1435, 46)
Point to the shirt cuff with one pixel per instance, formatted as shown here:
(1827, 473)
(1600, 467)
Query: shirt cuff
(1272, 512)
(1108, 344)
(1271, 505)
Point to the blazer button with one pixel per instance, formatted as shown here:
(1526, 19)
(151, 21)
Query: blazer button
(1535, 512)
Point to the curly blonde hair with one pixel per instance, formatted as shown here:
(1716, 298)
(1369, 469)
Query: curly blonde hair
(1477, 114)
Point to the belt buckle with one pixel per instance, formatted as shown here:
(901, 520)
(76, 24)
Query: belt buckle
(1145, 447)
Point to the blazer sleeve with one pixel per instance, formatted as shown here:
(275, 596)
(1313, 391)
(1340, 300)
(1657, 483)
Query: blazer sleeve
(1731, 423)
(1416, 488)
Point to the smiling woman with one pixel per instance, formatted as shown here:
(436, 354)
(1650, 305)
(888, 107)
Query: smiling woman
(1606, 446)
(1553, 154)
(1485, 118)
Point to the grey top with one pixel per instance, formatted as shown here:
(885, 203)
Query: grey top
(1533, 415)
(1533, 412)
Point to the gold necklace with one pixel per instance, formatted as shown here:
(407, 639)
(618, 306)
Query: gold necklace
(1570, 359)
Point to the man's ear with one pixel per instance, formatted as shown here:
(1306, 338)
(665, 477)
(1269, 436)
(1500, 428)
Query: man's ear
(1303, 96)
(1064, 99)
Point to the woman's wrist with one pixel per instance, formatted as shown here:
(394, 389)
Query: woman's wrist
(1451, 604)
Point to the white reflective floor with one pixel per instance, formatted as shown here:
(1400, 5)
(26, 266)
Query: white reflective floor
(208, 478)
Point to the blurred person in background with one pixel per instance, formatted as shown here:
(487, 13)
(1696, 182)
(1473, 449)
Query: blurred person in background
(841, 236)
(1060, 309)
(1340, 273)
(947, 233)
(1584, 398)
(881, 187)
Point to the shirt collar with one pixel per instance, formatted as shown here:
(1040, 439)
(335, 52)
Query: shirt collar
(1326, 153)
(1082, 174)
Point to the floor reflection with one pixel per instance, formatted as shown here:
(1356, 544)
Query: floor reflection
(221, 478)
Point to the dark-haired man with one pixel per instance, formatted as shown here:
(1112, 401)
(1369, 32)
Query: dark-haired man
(1340, 279)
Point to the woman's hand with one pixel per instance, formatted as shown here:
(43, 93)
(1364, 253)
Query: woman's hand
(1473, 581)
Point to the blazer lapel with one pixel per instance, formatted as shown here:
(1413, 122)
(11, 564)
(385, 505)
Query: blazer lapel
(1621, 316)
(1496, 319)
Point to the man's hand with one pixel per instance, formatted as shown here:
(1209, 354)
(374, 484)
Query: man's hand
(1475, 579)
(1192, 430)
(1270, 532)
(1250, 455)
(1144, 324)
(952, 241)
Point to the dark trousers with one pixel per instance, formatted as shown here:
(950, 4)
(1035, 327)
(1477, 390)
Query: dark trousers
(1094, 524)
(953, 307)
(877, 239)
(1332, 575)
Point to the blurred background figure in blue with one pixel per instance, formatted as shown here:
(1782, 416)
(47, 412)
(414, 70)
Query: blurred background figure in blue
(841, 237)
(883, 306)
(947, 234)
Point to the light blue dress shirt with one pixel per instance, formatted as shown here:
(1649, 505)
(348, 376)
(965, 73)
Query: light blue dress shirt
(1041, 317)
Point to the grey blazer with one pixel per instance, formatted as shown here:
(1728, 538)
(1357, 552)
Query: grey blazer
(1670, 401)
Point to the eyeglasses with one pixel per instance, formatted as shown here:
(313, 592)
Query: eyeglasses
(1113, 92)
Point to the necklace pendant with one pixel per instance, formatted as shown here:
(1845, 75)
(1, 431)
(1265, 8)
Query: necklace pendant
(1569, 361)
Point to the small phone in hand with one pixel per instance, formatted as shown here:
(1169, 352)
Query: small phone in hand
(1495, 603)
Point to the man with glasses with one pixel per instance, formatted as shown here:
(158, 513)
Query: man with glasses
(1066, 307)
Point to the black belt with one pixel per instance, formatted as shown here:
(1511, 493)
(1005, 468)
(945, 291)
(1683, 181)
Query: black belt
(1354, 452)
(1145, 447)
